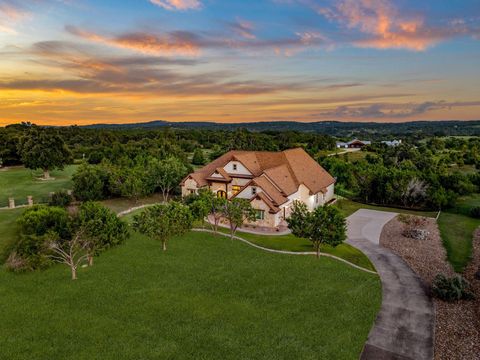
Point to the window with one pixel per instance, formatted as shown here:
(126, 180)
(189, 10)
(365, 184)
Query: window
(235, 167)
(192, 191)
(221, 194)
(254, 191)
(260, 214)
(316, 198)
(236, 189)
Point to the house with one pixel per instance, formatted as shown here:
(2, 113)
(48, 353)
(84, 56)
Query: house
(354, 144)
(392, 143)
(271, 181)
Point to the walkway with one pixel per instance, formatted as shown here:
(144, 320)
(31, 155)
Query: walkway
(404, 328)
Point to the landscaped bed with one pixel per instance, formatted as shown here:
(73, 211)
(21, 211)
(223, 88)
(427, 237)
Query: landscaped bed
(457, 325)
(206, 297)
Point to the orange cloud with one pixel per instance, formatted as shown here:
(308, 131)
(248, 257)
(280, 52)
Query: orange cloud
(385, 26)
(177, 4)
(177, 43)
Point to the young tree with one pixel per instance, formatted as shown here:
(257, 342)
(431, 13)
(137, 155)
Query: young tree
(43, 149)
(162, 222)
(198, 157)
(237, 211)
(167, 174)
(103, 229)
(215, 210)
(200, 205)
(325, 225)
(70, 252)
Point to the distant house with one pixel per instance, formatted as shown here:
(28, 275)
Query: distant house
(271, 181)
(354, 144)
(392, 143)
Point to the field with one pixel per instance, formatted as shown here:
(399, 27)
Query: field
(19, 183)
(206, 298)
(348, 207)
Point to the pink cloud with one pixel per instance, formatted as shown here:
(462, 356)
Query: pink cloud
(178, 4)
(386, 27)
(166, 44)
(10, 14)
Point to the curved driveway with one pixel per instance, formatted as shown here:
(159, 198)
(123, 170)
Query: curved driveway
(404, 328)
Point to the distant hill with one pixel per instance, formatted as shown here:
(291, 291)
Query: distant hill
(448, 127)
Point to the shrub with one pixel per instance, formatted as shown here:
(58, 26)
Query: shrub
(60, 198)
(27, 251)
(89, 183)
(412, 226)
(475, 212)
(452, 289)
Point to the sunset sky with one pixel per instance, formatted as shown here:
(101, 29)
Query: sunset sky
(83, 61)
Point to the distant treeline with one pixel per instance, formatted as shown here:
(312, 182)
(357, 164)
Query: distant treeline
(333, 128)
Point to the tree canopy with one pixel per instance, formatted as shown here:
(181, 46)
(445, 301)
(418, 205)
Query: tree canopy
(44, 149)
(324, 225)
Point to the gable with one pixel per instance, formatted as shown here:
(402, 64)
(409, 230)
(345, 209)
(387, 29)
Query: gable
(235, 167)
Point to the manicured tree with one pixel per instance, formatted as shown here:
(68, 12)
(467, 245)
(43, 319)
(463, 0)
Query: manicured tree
(237, 211)
(70, 252)
(162, 222)
(103, 229)
(43, 149)
(325, 225)
(167, 174)
(89, 183)
(200, 205)
(198, 157)
(215, 210)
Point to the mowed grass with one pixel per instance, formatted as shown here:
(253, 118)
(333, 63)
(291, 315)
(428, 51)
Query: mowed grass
(457, 233)
(457, 228)
(19, 183)
(205, 298)
(348, 207)
(292, 243)
(8, 226)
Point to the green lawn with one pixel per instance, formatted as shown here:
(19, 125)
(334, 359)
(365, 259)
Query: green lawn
(465, 204)
(457, 232)
(292, 243)
(348, 207)
(19, 183)
(8, 226)
(205, 298)
(122, 204)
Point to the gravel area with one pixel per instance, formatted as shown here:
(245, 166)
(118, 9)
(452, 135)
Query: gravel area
(457, 327)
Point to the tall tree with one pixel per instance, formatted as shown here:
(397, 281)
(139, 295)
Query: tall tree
(167, 174)
(198, 157)
(162, 222)
(237, 211)
(43, 149)
(325, 225)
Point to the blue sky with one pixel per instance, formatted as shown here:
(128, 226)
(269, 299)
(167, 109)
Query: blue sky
(83, 61)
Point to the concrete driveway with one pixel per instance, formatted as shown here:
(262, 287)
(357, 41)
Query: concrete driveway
(404, 327)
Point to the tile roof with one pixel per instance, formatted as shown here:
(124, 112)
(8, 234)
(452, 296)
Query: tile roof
(279, 174)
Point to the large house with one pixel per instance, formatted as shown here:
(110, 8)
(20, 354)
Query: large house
(271, 181)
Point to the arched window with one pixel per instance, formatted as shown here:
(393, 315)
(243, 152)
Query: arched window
(221, 194)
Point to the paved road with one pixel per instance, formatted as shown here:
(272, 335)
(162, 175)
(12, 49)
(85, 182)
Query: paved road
(404, 328)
